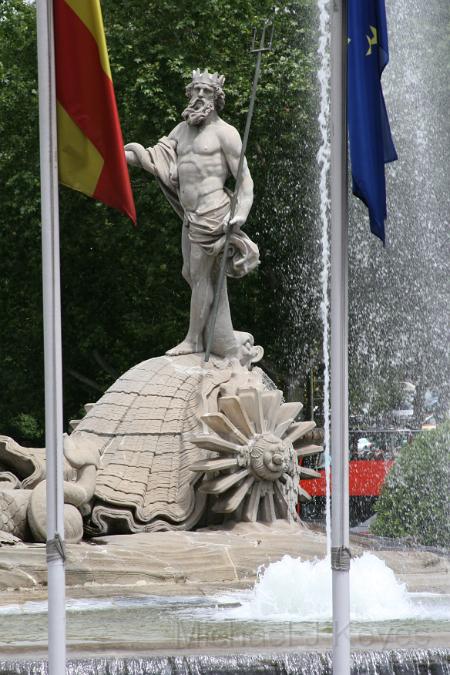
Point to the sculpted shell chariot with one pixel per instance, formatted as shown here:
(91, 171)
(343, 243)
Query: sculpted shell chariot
(176, 443)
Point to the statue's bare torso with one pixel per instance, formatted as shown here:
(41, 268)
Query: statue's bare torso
(204, 157)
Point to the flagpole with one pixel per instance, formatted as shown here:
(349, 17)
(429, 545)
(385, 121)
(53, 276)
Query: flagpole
(52, 338)
(340, 553)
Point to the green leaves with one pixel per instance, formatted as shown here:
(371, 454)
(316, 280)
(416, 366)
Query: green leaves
(123, 297)
(415, 498)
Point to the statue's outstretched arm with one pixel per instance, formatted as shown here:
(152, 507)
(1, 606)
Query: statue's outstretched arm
(131, 157)
(151, 159)
(137, 155)
(161, 162)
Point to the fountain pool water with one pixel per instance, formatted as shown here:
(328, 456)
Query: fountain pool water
(288, 609)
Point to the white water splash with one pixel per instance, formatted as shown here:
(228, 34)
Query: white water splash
(323, 159)
(296, 590)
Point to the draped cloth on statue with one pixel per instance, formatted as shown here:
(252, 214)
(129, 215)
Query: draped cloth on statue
(205, 228)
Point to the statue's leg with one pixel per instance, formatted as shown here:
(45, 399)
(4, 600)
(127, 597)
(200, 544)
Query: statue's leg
(200, 274)
(224, 340)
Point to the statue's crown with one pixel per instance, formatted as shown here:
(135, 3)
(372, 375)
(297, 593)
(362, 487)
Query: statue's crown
(206, 77)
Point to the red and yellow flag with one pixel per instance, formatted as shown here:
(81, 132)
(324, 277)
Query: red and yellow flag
(90, 145)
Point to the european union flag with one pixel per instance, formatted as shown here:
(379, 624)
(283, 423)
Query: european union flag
(371, 144)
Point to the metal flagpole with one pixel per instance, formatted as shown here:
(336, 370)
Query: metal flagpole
(52, 339)
(340, 552)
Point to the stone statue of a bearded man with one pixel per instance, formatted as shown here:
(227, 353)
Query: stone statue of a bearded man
(192, 165)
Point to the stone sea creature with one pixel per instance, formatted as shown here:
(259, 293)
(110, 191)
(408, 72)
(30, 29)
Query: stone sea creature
(23, 489)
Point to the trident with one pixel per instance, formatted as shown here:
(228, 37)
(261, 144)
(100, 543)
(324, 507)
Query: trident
(265, 45)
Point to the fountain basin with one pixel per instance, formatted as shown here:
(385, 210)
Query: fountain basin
(180, 592)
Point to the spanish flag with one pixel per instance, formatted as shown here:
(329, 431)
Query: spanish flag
(91, 157)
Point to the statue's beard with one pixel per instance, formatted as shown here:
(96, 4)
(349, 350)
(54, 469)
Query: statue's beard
(197, 111)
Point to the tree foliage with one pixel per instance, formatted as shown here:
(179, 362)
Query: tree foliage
(415, 500)
(123, 297)
(21, 362)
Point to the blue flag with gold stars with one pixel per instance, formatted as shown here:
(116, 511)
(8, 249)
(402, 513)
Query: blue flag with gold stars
(371, 144)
